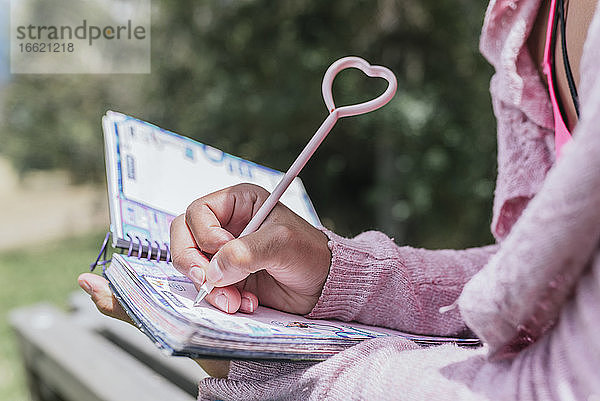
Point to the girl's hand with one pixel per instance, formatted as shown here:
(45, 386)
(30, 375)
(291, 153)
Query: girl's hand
(283, 265)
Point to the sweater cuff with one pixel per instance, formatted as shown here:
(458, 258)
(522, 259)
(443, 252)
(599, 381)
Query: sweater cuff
(352, 277)
(262, 371)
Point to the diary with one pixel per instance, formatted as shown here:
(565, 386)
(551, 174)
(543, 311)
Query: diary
(152, 176)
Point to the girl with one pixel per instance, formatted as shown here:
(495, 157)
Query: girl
(533, 298)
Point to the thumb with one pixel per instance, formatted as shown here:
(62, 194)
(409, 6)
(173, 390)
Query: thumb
(237, 259)
(98, 289)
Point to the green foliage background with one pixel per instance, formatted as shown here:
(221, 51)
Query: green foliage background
(245, 76)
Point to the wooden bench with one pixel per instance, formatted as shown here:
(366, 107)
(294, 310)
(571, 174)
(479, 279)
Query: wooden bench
(84, 355)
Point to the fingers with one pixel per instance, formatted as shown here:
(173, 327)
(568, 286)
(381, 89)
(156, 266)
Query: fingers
(208, 224)
(230, 299)
(240, 257)
(225, 298)
(249, 302)
(208, 228)
(97, 287)
(205, 219)
(187, 258)
(216, 219)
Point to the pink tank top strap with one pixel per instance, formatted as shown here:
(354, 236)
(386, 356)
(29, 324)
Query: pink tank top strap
(561, 132)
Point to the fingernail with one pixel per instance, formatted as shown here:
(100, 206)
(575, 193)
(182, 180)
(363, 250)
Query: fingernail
(86, 287)
(197, 275)
(213, 271)
(222, 302)
(247, 304)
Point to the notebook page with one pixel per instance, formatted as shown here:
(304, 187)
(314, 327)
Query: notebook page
(176, 292)
(158, 174)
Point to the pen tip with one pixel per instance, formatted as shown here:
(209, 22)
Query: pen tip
(201, 294)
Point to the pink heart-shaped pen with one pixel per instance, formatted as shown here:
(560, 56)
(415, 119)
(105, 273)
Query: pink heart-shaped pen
(375, 71)
(319, 136)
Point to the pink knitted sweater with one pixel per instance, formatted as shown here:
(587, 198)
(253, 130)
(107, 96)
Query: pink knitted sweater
(534, 299)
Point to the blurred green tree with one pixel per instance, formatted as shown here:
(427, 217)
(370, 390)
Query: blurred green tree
(245, 76)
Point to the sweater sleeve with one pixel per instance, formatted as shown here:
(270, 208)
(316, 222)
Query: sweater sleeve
(562, 365)
(376, 282)
(372, 281)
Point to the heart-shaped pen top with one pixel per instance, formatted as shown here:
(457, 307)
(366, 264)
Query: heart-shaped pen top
(319, 136)
(374, 71)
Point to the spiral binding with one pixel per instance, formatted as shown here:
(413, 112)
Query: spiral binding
(101, 254)
(130, 249)
(153, 248)
(140, 247)
(158, 252)
(149, 258)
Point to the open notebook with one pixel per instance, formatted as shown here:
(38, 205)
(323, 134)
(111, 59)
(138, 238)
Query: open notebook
(153, 174)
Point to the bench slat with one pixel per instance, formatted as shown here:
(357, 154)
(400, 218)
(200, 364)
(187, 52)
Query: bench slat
(182, 371)
(81, 364)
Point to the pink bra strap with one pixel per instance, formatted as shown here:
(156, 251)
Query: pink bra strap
(561, 132)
